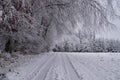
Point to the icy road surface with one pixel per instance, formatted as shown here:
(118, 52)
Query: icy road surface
(70, 66)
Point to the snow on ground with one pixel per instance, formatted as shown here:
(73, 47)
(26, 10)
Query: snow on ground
(10, 61)
(70, 66)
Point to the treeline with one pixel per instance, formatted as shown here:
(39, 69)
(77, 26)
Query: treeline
(19, 30)
(98, 45)
(32, 26)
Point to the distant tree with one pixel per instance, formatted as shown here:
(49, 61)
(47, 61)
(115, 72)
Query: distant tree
(62, 16)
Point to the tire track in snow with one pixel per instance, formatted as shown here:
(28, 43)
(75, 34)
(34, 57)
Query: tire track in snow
(37, 67)
(67, 67)
(49, 75)
(42, 71)
(70, 67)
(28, 71)
(91, 66)
(87, 74)
(58, 70)
(78, 77)
(73, 67)
(98, 70)
(64, 67)
(63, 63)
(53, 73)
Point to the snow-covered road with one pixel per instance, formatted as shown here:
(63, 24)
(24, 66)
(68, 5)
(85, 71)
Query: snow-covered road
(70, 66)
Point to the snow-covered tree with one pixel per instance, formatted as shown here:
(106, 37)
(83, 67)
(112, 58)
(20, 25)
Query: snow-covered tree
(18, 28)
(63, 15)
(33, 25)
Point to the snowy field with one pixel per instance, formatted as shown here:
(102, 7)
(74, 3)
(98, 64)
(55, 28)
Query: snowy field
(69, 66)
